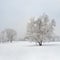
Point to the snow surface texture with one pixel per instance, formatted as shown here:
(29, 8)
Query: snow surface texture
(28, 51)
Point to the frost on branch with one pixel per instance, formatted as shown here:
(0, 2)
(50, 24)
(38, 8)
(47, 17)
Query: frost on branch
(41, 29)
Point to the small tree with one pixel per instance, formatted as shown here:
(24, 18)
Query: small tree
(3, 36)
(11, 34)
(8, 35)
(40, 29)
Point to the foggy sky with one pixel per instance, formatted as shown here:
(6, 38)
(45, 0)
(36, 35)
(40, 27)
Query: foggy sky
(15, 13)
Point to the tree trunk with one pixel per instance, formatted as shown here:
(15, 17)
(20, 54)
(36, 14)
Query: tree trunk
(40, 43)
(11, 41)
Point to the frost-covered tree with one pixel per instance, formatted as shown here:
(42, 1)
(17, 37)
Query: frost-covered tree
(40, 29)
(2, 36)
(8, 35)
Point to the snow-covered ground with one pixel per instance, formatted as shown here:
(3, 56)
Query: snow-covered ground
(22, 50)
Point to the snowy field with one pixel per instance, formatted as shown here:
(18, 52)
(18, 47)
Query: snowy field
(29, 51)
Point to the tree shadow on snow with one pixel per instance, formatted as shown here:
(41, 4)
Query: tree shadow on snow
(43, 45)
(51, 45)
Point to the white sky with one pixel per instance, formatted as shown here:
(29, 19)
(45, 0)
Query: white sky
(15, 13)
